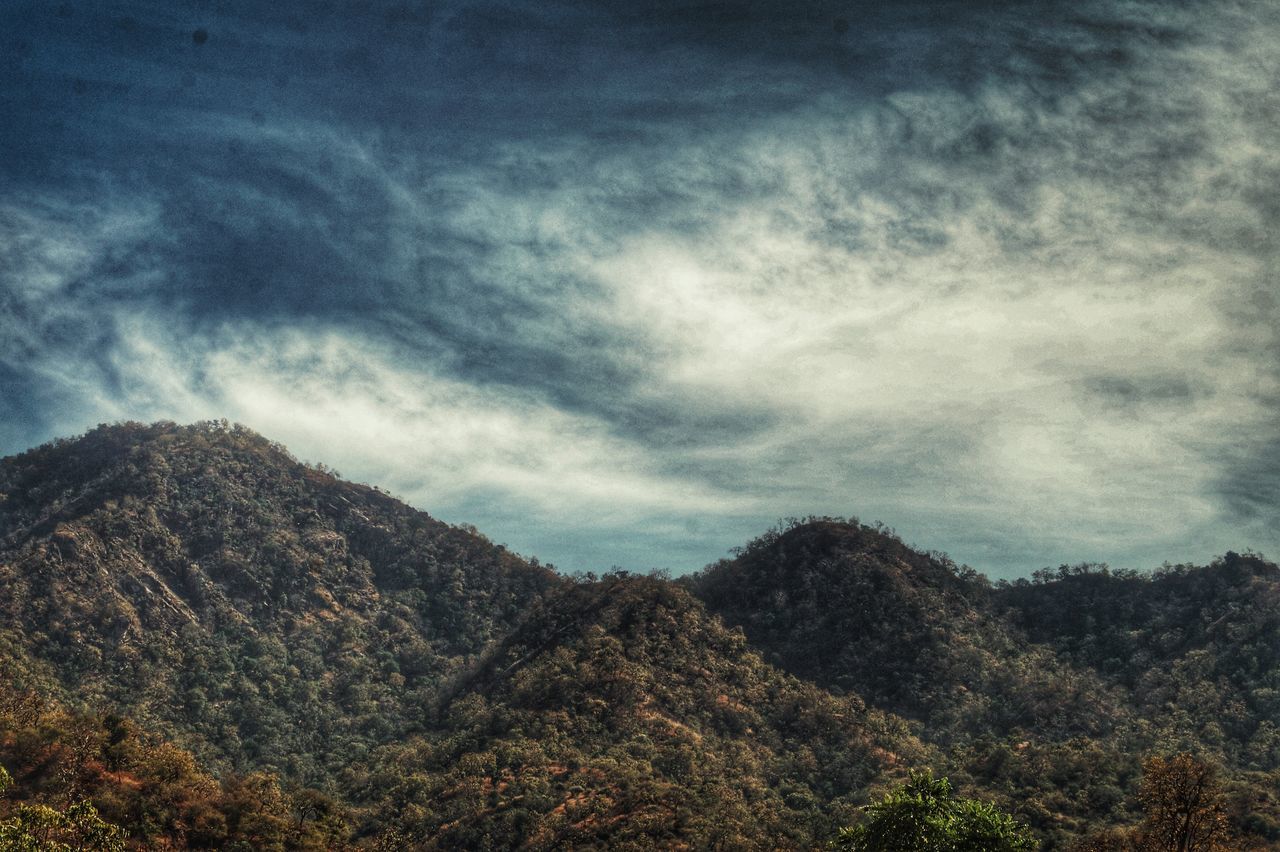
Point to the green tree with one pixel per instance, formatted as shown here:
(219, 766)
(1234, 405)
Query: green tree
(40, 828)
(923, 816)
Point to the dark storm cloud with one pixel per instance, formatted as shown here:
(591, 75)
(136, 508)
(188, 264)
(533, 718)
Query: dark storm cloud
(993, 272)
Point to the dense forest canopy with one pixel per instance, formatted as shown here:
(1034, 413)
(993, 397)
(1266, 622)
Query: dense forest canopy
(205, 643)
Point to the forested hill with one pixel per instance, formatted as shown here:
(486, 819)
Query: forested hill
(1073, 651)
(220, 647)
(264, 611)
(1071, 675)
(851, 607)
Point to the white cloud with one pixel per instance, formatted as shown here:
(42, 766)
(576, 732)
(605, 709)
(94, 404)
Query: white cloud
(1015, 312)
(353, 404)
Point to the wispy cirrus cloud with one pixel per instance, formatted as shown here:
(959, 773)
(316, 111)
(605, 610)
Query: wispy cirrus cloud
(625, 288)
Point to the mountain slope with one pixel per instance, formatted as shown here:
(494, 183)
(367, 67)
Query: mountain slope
(1196, 649)
(270, 616)
(1047, 693)
(622, 715)
(292, 629)
(265, 612)
(851, 607)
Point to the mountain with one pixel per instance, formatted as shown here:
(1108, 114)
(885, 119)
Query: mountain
(268, 616)
(622, 715)
(852, 607)
(221, 647)
(1195, 648)
(264, 612)
(1045, 692)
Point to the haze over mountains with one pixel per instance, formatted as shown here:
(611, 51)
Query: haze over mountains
(346, 669)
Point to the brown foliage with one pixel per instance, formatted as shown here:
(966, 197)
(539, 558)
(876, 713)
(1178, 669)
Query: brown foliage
(1184, 809)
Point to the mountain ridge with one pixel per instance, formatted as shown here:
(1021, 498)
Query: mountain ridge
(443, 692)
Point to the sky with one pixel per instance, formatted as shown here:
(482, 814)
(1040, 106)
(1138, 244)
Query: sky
(624, 283)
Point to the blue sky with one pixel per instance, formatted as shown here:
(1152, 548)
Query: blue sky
(624, 283)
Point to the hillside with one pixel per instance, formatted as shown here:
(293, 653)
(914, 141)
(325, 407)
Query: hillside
(264, 612)
(269, 616)
(1195, 649)
(621, 714)
(216, 644)
(852, 607)
(1046, 693)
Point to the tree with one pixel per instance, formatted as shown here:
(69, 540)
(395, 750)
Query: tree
(40, 828)
(923, 816)
(1183, 803)
(1184, 811)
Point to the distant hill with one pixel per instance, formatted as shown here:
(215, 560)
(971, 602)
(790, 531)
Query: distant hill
(852, 607)
(1195, 649)
(218, 645)
(1070, 676)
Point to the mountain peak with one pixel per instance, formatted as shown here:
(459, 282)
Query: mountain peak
(826, 550)
(854, 608)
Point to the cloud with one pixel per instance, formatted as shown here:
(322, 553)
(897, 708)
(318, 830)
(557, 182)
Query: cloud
(638, 285)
